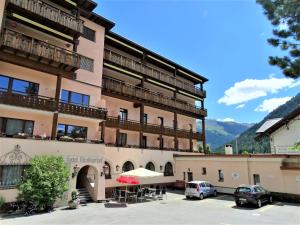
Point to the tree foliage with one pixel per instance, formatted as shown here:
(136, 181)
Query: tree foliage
(285, 16)
(45, 180)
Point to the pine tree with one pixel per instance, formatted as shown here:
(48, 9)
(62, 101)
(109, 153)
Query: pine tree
(285, 16)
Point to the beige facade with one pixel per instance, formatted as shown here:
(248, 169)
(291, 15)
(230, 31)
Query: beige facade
(273, 173)
(286, 137)
(65, 76)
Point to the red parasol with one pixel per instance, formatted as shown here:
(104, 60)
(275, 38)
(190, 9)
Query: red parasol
(127, 180)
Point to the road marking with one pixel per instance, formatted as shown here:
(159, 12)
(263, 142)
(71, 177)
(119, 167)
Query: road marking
(230, 205)
(255, 214)
(267, 207)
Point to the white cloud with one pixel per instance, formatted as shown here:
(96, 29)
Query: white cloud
(240, 106)
(226, 120)
(249, 89)
(269, 105)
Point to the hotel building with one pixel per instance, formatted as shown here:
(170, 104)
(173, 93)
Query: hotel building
(71, 87)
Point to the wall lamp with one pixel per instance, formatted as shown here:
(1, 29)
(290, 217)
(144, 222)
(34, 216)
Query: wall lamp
(117, 168)
(105, 170)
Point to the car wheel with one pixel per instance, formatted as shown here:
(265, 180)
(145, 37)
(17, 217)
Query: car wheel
(201, 196)
(187, 197)
(237, 203)
(271, 199)
(215, 193)
(259, 203)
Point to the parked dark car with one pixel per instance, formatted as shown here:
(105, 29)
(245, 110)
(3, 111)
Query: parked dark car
(253, 194)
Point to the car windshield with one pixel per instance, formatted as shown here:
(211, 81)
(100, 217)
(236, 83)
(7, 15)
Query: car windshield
(191, 185)
(244, 190)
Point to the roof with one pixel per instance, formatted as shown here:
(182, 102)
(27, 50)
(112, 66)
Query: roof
(97, 19)
(159, 57)
(268, 124)
(285, 120)
(236, 156)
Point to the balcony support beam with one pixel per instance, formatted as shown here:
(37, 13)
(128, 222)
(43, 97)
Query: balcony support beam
(142, 111)
(203, 135)
(175, 128)
(103, 131)
(55, 115)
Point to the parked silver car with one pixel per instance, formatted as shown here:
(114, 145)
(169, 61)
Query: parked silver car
(199, 189)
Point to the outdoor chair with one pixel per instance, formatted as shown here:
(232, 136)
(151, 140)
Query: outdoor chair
(156, 194)
(122, 195)
(140, 195)
(162, 194)
(115, 194)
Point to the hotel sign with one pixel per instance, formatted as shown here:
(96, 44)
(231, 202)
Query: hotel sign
(83, 159)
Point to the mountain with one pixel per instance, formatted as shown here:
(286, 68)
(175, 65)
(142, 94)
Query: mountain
(246, 140)
(219, 133)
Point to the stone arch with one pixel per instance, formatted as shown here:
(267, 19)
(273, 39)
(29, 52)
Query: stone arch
(169, 169)
(87, 180)
(128, 165)
(150, 166)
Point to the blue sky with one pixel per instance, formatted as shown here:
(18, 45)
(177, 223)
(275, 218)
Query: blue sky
(224, 41)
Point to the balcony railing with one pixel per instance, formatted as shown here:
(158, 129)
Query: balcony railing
(40, 49)
(125, 89)
(49, 104)
(152, 72)
(49, 12)
(28, 101)
(84, 111)
(134, 125)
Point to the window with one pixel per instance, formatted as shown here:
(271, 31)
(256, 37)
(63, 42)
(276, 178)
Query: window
(144, 142)
(161, 143)
(127, 166)
(122, 139)
(190, 176)
(14, 126)
(71, 131)
(10, 175)
(221, 175)
(87, 64)
(168, 169)
(256, 178)
(4, 83)
(161, 120)
(75, 98)
(145, 118)
(203, 170)
(123, 114)
(89, 33)
(18, 86)
(150, 166)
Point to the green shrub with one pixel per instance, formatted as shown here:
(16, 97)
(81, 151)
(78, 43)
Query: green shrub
(45, 180)
(245, 152)
(2, 201)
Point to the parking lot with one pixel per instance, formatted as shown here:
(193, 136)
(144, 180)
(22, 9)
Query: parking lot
(173, 210)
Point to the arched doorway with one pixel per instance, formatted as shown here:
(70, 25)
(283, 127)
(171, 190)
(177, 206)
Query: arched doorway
(86, 183)
(127, 166)
(169, 169)
(150, 166)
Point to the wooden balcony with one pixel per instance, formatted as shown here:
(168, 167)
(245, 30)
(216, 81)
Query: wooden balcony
(49, 104)
(30, 52)
(133, 125)
(136, 66)
(48, 15)
(83, 111)
(115, 88)
(27, 101)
